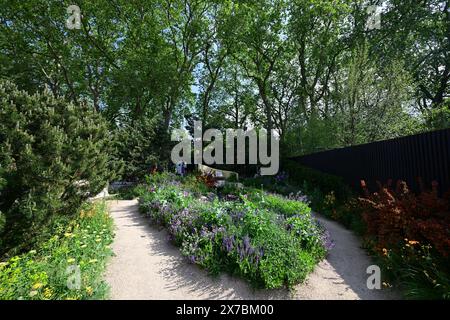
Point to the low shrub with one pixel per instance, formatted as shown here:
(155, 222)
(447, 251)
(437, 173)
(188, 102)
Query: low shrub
(411, 235)
(271, 184)
(350, 215)
(315, 181)
(392, 215)
(279, 204)
(420, 272)
(328, 195)
(161, 178)
(129, 192)
(207, 179)
(271, 245)
(196, 185)
(50, 271)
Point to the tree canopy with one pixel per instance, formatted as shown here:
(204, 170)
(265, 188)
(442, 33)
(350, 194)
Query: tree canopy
(311, 69)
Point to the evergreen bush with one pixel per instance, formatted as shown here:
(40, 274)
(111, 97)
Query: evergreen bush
(53, 156)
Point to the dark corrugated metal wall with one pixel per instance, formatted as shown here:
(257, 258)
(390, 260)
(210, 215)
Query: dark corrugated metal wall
(424, 155)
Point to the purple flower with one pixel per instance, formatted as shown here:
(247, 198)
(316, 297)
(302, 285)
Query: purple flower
(282, 176)
(228, 243)
(258, 254)
(247, 244)
(237, 216)
(327, 242)
(204, 233)
(245, 249)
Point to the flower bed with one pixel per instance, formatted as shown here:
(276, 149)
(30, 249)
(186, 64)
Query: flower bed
(269, 240)
(68, 266)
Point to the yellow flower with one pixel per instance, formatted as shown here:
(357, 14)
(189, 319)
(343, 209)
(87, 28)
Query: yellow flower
(385, 252)
(89, 291)
(48, 293)
(67, 234)
(37, 286)
(70, 260)
(411, 242)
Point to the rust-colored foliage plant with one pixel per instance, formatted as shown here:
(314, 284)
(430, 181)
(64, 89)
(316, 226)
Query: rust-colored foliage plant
(395, 214)
(208, 179)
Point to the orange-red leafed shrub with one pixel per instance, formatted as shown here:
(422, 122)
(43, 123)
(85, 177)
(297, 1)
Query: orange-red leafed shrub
(208, 179)
(395, 214)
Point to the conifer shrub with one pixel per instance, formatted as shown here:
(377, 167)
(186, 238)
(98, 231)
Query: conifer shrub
(53, 156)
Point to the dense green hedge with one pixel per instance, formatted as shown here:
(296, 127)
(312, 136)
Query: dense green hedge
(313, 179)
(53, 155)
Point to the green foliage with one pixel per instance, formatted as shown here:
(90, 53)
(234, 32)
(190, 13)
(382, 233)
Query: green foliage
(439, 118)
(129, 193)
(317, 183)
(407, 29)
(280, 205)
(373, 94)
(297, 66)
(287, 256)
(272, 244)
(134, 148)
(269, 183)
(349, 214)
(195, 185)
(231, 188)
(137, 145)
(53, 156)
(422, 274)
(45, 271)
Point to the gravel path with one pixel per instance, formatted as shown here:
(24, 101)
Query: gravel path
(147, 266)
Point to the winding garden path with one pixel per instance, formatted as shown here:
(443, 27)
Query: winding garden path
(147, 266)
